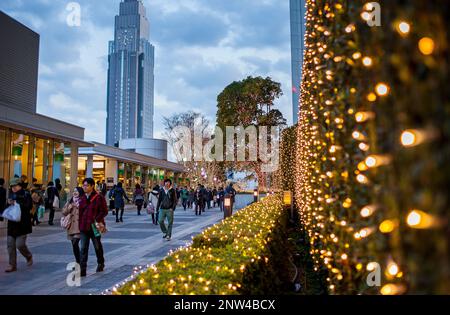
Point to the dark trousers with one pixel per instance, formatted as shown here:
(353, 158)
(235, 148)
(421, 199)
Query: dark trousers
(76, 249)
(209, 204)
(35, 218)
(52, 214)
(184, 203)
(203, 206)
(20, 243)
(121, 213)
(154, 218)
(96, 241)
(139, 209)
(198, 208)
(220, 202)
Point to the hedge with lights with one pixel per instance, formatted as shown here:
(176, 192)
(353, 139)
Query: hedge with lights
(284, 179)
(372, 171)
(241, 255)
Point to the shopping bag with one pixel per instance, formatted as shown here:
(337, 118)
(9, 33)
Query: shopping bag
(56, 202)
(41, 212)
(13, 213)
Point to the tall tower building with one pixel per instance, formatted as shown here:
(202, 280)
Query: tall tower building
(130, 96)
(297, 9)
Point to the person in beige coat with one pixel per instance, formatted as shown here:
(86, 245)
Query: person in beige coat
(73, 231)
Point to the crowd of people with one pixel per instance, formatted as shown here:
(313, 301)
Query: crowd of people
(83, 215)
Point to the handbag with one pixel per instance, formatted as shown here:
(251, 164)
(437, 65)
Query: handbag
(150, 208)
(66, 221)
(41, 212)
(13, 213)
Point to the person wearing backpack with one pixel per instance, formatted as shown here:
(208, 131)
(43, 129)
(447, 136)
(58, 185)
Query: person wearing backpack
(92, 213)
(71, 212)
(18, 231)
(167, 202)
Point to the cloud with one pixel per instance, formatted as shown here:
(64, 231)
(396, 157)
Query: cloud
(201, 47)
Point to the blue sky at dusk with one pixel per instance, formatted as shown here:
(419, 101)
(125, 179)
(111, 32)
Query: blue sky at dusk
(201, 46)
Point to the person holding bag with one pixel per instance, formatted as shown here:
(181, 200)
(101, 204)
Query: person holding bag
(92, 213)
(18, 231)
(152, 202)
(51, 200)
(71, 219)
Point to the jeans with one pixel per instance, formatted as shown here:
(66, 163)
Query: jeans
(163, 213)
(19, 243)
(85, 238)
(184, 203)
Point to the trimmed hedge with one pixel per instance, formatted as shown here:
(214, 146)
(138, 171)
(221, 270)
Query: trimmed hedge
(241, 255)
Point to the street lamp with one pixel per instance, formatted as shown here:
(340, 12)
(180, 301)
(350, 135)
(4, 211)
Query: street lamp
(227, 205)
(287, 201)
(255, 195)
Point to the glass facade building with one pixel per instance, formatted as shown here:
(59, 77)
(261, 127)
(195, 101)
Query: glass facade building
(297, 12)
(130, 95)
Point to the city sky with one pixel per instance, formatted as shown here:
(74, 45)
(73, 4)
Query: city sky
(201, 46)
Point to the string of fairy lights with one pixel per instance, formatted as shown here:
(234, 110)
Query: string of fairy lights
(353, 225)
(216, 260)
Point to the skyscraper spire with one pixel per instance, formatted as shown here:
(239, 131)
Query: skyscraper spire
(130, 100)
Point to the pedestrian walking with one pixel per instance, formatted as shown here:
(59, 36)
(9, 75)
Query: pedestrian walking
(119, 195)
(191, 198)
(72, 210)
(104, 188)
(18, 231)
(199, 200)
(51, 198)
(112, 205)
(38, 201)
(214, 194)
(221, 198)
(184, 197)
(61, 192)
(138, 198)
(92, 213)
(205, 197)
(167, 203)
(2, 197)
(230, 192)
(153, 202)
(24, 182)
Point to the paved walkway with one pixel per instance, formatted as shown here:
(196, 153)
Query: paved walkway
(136, 242)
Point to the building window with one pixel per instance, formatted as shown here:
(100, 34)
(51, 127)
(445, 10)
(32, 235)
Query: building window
(40, 162)
(20, 151)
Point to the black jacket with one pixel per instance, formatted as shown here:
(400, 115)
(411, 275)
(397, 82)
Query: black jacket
(199, 196)
(2, 199)
(24, 227)
(167, 201)
(50, 198)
